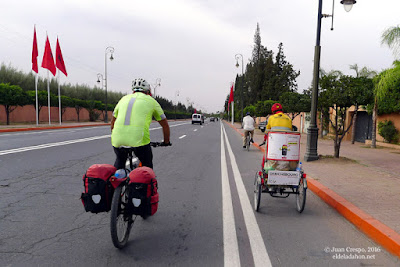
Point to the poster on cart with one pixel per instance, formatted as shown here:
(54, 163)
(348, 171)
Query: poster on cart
(283, 146)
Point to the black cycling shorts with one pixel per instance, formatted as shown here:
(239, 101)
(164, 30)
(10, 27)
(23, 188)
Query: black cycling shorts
(144, 154)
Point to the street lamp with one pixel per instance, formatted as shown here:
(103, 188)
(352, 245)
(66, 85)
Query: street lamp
(312, 131)
(109, 49)
(158, 83)
(101, 78)
(348, 4)
(237, 56)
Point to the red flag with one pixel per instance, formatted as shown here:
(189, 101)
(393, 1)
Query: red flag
(230, 96)
(34, 52)
(59, 59)
(48, 60)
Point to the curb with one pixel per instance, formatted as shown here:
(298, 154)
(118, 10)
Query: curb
(48, 128)
(376, 230)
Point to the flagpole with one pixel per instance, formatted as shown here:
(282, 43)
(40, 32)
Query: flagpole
(233, 103)
(36, 96)
(48, 95)
(59, 96)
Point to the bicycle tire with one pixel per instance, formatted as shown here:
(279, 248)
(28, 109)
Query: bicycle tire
(301, 197)
(248, 142)
(120, 224)
(257, 194)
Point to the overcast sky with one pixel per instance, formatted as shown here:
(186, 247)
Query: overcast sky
(191, 44)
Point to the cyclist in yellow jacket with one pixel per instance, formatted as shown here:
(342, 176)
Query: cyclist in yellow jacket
(130, 124)
(279, 121)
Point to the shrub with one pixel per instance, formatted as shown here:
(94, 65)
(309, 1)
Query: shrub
(387, 130)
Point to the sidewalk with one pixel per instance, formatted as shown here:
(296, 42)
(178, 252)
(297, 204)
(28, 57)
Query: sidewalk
(363, 185)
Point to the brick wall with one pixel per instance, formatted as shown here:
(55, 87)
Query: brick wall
(27, 114)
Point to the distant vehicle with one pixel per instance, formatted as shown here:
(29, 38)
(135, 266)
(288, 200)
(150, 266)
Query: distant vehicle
(262, 125)
(212, 119)
(197, 118)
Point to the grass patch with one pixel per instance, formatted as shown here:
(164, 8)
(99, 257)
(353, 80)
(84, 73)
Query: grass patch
(377, 147)
(332, 159)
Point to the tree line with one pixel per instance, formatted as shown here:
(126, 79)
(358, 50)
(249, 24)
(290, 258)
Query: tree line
(18, 89)
(269, 79)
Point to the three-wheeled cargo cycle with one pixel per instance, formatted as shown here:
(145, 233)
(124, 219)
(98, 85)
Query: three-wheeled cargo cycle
(281, 173)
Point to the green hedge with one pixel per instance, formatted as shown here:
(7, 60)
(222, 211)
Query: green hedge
(171, 115)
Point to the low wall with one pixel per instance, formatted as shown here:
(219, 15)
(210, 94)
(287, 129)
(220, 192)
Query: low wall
(27, 114)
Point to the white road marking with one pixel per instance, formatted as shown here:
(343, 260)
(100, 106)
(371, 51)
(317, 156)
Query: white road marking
(231, 248)
(28, 148)
(183, 136)
(195, 130)
(41, 132)
(260, 254)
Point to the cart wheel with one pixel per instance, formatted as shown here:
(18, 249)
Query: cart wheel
(257, 193)
(301, 197)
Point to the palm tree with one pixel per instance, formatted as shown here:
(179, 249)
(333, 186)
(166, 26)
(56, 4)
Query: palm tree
(383, 83)
(391, 37)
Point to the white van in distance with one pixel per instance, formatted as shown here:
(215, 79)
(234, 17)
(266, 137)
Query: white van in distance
(197, 118)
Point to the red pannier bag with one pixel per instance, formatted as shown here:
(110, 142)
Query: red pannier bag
(143, 195)
(98, 192)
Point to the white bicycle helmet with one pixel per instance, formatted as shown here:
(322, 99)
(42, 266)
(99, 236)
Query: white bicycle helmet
(140, 85)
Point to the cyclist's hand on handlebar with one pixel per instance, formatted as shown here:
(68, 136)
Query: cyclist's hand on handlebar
(156, 144)
(165, 144)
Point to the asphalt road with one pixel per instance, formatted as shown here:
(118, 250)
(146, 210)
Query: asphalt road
(205, 215)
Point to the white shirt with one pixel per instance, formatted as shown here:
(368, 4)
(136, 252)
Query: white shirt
(248, 123)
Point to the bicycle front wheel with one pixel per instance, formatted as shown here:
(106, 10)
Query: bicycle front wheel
(121, 222)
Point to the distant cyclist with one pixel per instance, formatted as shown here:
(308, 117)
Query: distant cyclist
(130, 124)
(248, 127)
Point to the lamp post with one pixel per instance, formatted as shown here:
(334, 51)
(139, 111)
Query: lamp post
(237, 56)
(158, 83)
(109, 49)
(312, 131)
(101, 78)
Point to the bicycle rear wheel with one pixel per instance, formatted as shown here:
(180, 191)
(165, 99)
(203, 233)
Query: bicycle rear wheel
(301, 197)
(257, 192)
(121, 222)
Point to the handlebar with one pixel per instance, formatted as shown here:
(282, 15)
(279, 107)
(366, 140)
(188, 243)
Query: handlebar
(156, 144)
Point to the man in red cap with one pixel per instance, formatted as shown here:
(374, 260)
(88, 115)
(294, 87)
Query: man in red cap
(279, 121)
